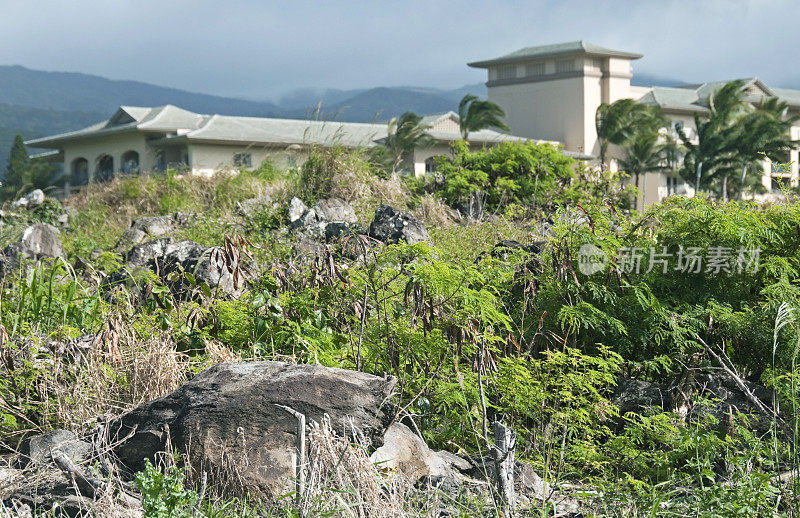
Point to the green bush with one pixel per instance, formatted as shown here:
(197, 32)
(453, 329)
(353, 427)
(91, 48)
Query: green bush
(163, 492)
(538, 176)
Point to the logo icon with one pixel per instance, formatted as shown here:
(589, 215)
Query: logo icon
(591, 259)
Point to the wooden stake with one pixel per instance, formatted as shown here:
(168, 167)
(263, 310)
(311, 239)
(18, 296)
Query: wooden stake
(300, 457)
(505, 442)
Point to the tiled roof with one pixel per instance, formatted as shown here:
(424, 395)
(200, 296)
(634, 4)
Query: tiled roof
(572, 47)
(175, 122)
(695, 97)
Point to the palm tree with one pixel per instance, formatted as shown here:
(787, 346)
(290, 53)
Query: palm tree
(764, 132)
(405, 134)
(614, 124)
(645, 149)
(713, 155)
(475, 115)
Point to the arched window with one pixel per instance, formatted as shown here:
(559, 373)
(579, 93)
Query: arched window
(130, 162)
(430, 165)
(79, 168)
(161, 163)
(105, 167)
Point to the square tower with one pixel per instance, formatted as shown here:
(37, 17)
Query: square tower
(552, 92)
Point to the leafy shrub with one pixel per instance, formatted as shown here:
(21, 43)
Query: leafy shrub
(535, 175)
(163, 492)
(48, 212)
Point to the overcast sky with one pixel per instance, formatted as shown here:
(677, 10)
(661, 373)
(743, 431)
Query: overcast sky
(263, 48)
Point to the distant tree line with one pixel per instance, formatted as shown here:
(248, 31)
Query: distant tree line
(23, 174)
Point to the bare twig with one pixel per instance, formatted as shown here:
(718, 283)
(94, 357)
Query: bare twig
(730, 370)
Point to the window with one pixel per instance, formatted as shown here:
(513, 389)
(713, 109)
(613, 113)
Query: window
(778, 183)
(242, 160)
(430, 165)
(672, 185)
(507, 72)
(565, 65)
(534, 69)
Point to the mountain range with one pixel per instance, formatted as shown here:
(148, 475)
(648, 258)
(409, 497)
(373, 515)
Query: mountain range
(35, 103)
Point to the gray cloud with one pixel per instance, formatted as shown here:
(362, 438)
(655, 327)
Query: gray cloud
(262, 48)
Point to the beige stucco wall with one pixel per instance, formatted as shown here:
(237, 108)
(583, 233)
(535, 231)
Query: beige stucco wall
(114, 145)
(207, 158)
(549, 110)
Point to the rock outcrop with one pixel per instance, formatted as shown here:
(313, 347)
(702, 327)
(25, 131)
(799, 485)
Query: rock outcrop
(40, 241)
(406, 452)
(391, 226)
(149, 228)
(713, 393)
(38, 449)
(326, 221)
(205, 264)
(30, 201)
(232, 412)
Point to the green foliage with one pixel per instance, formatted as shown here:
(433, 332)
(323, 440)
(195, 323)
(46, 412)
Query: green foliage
(472, 334)
(558, 399)
(317, 174)
(233, 323)
(48, 212)
(163, 492)
(405, 134)
(18, 164)
(526, 173)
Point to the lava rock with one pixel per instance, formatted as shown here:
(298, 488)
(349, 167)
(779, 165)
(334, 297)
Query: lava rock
(230, 412)
(30, 201)
(148, 228)
(37, 242)
(391, 226)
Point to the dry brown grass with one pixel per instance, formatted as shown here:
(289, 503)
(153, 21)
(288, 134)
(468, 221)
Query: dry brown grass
(341, 480)
(104, 383)
(435, 213)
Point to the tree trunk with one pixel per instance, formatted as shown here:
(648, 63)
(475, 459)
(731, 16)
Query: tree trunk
(741, 184)
(644, 189)
(725, 188)
(602, 158)
(697, 181)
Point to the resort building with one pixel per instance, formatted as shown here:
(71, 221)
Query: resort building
(552, 92)
(153, 139)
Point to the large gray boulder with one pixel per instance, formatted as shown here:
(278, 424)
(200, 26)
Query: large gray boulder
(230, 413)
(334, 210)
(40, 241)
(391, 226)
